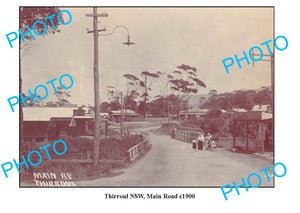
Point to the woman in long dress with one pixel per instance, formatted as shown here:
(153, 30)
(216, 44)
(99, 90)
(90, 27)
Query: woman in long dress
(200, 140)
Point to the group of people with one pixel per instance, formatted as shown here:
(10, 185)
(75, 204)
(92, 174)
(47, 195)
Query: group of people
(203, 143)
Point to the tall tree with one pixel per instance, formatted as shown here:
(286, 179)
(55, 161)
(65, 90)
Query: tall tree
(185, 83)
(149, 77)
(133, 85)
(62, 96)
(164, 88)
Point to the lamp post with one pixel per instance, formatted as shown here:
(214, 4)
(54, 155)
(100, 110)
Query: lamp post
(96, 75)
(272, 67)
(128, 42)
(261, 130)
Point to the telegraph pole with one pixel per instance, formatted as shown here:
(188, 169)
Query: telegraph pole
(272, 67)
(96, 74)
(261, 130)
(121, 120)
(96, 83)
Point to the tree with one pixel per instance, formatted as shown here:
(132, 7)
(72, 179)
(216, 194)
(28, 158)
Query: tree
(62, 96)
(115, 105)
(29, 101)
(185, 83)
(264, 97)
(244, 99)
(164, 86)
(110, 93)
(29, 15)
(138, 88)
(147, 84)
(129, 100)
(104, 107)
(133, 85)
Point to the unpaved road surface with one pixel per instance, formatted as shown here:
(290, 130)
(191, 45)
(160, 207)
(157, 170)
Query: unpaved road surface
(173, 163)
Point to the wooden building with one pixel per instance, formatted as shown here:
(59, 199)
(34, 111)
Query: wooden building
(48, 123)
(264, 139)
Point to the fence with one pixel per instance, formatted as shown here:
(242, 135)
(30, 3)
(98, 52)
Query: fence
(185, 135)
(227, 143)
(133, 152)
(136, 150)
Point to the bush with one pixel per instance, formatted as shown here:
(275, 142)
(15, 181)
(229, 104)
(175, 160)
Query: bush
(110, 148)
(171, 126)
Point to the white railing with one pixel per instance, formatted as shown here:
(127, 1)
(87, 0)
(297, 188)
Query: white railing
(185, 135)
(135, 151)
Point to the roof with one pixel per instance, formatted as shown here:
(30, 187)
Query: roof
(224, 111)
(194, 111)
(266, 116)
(239, 110)
(262, 108)
(83, 117)
(127, 112)
(46, 113)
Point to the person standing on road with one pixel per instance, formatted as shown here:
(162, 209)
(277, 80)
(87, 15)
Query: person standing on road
(200, 140)
(207, 141)
(194, 142)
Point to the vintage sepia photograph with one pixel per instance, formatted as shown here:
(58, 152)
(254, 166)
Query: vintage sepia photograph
(146, 96)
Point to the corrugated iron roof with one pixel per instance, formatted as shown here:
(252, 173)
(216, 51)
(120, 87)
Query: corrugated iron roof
(262, 108)
(266, 116)
(127, 111)
(46, 113)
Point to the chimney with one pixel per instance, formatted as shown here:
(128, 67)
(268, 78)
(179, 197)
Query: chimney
(78, 112)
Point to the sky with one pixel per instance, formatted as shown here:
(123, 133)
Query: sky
(164, 38)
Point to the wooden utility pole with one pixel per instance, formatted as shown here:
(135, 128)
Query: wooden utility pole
(272, 67)
(96, 83)
(121, 118)
(96, 74)
(261, 130)
(96, 89)
(145, 98)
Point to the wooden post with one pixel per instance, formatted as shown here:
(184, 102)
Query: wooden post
(106, 128)
(145, 98)
(96, 89)
(121, 119)
(247, 136)
(260, 132)
(169, 118)
(234, 134)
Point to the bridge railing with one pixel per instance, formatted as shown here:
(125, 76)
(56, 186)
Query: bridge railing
(136, 150)
(185, 135)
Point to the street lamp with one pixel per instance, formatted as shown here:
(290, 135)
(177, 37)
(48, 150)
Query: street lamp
(96, 75)
(128, 42)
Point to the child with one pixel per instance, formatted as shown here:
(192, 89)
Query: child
(207, 141)
(213, 145)
(194, 145)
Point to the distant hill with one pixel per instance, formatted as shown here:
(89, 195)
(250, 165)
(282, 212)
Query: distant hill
(198, 100)
(195, 101)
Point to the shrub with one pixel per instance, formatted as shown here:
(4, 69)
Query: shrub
(110, 148)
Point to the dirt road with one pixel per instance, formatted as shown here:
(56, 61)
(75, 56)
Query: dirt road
(173, 163)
